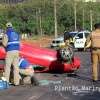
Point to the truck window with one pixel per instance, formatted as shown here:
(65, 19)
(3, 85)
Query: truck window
(80, 35)
(86, 35)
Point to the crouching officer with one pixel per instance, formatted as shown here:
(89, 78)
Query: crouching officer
(27, 72)
(94, 39)
(11, 42)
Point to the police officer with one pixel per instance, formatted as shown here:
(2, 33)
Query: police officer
(94, 37)
(11, 43)
(26, 70)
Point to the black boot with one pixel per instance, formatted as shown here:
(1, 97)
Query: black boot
(34, 81)
(21, 82)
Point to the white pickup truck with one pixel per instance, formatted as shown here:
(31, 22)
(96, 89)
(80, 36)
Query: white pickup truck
(1, 36)
(80, 39)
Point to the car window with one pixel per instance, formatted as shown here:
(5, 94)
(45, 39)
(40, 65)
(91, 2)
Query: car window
(57, 41)
(86, 35)
(72, 34)
(80, 35)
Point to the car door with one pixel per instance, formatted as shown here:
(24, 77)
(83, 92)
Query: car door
(79, 40)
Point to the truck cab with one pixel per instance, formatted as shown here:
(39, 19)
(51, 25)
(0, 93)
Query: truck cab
(80, 39)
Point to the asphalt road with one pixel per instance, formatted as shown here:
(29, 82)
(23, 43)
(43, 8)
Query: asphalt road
(59, 86)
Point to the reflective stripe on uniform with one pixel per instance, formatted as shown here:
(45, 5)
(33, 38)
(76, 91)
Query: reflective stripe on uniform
(15, 42)
(20, 61)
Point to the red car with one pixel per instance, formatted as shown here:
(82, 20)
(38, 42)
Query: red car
(47, 58)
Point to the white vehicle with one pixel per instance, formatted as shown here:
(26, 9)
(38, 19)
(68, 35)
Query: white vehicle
(56, 42)
(1, 36)
(80, 39)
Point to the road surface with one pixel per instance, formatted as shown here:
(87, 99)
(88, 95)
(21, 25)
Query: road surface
(59, 86)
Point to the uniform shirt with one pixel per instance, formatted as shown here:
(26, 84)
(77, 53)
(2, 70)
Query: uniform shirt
(23, 63)
(13, 40)
(7, 42)
(89, 38)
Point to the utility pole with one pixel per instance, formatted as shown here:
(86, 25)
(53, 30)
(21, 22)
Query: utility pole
(55, 17)
(75, 18)
(40, 22)
(8, 1)
(83, 18)
(91, 20)
(4, 1)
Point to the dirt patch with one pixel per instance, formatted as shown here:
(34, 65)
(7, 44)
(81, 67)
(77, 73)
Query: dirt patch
(42, 42)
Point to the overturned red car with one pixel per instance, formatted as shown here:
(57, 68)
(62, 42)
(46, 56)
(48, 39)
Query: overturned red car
(45, 57)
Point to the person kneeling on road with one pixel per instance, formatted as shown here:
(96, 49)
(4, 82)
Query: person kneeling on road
(27, 72)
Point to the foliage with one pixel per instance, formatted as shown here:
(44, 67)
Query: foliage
(26, 16)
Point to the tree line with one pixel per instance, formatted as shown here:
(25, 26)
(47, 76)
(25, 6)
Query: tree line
(37, 16)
